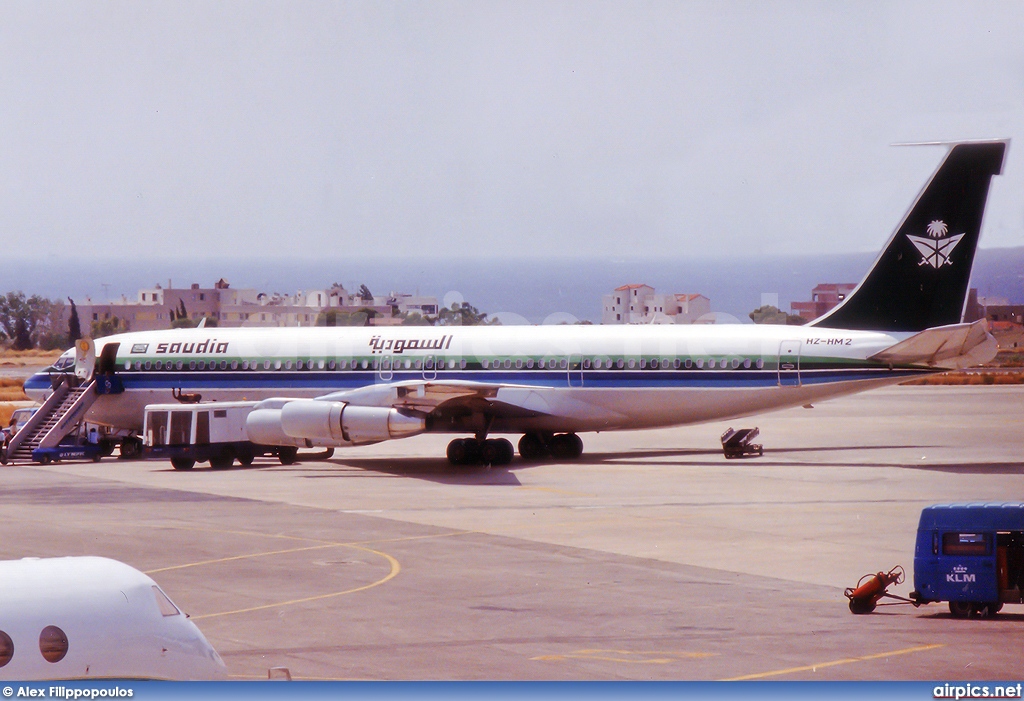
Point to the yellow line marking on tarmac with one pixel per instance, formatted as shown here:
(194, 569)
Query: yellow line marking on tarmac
(629, 656)
(833, 663)
(396, 567)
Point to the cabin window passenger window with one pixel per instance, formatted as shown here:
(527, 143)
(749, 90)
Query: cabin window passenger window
(563, 364)
(508, 364)
(760, 363)
(6, 648)
(746, 364)
(201, 365)
(462, 364)
(234, 364)
(53, 643)
(632, 363)
(735, 363)
(177, 365)
(529, 363)
(688, 363)
(700, 363)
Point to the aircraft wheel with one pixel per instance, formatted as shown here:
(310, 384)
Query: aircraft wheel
(464, 451)
(180, 463)
(566, 446)
(288, 455)
(245, 457)
(960, 609)
(532, 447)
(497, 451)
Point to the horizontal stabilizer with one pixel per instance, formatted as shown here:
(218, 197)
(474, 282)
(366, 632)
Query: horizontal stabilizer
(953, 346)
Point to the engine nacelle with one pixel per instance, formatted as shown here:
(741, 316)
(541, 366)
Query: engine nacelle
(329, 423)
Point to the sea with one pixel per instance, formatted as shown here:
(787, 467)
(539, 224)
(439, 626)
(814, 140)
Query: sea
(515, 290)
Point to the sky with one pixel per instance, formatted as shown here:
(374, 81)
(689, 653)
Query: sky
(545, 129)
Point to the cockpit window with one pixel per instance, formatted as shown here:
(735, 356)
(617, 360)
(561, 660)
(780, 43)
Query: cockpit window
(167, 607)
(65, 362)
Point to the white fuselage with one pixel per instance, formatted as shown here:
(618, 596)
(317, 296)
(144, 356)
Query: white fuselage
(564, 378)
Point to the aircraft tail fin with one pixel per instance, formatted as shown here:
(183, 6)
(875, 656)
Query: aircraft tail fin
(920, 279)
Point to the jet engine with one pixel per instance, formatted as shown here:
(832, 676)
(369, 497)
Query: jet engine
(328, 423)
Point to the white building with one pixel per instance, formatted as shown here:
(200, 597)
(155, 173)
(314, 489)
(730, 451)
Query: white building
(641, 304)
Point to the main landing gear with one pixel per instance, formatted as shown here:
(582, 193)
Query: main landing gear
(533, 447)
(471, 451)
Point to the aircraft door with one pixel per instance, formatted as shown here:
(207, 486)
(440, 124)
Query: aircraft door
(85, 359)
(385, 371)
(430, 368)
(108, 359)
(575, 370)
(789, 364)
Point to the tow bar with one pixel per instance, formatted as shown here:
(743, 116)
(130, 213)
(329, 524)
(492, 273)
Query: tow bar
(872, 587)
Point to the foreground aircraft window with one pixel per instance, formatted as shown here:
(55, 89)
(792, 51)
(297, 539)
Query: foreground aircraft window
(597, 364)
(288, 365)
(760, 363)
(451, 364)
(320, 365)
(147, 365)
(266, 364)
(53, 644)
(128, 366)
(224, 365)
(201, 365)
(700, 363)
(364, 364)
(178, 365)
(688, 364)
(746, 364)
(167, 607)
(735, 363)
(618, 363)
(234, 364)
(277, 364)
(586, 363)
(563, 364)
(191, 365)
(711, 363)
(654, 363)
(6, 648)
(299, 365)
(632, 364)
(676, 363)
(508, 364)
(331, 365)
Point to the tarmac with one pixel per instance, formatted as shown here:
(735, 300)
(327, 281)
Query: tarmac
(651, 558)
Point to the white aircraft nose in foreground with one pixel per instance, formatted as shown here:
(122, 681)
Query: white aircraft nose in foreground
(95, 618)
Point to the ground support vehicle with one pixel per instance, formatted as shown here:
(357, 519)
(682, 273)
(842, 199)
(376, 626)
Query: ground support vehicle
(739, 443)
(212, 431)
(970, 555)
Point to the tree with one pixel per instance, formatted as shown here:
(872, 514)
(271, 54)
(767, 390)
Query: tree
(336, 317)
(109, 327)
(416, 319)
(770, 314)
(464, 315)
(22, 317)
(74, 324)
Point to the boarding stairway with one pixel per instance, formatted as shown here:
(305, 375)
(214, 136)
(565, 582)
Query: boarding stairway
(59, 415)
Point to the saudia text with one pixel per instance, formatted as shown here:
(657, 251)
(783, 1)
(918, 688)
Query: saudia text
(400, 345)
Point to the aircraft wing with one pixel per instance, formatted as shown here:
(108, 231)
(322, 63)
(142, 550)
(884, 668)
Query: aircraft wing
(499, 400)
(953, 346)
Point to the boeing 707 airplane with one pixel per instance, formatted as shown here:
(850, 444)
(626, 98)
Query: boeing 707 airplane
(342, 386)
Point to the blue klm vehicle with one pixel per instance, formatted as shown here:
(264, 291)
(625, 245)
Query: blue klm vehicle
(971, 555)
